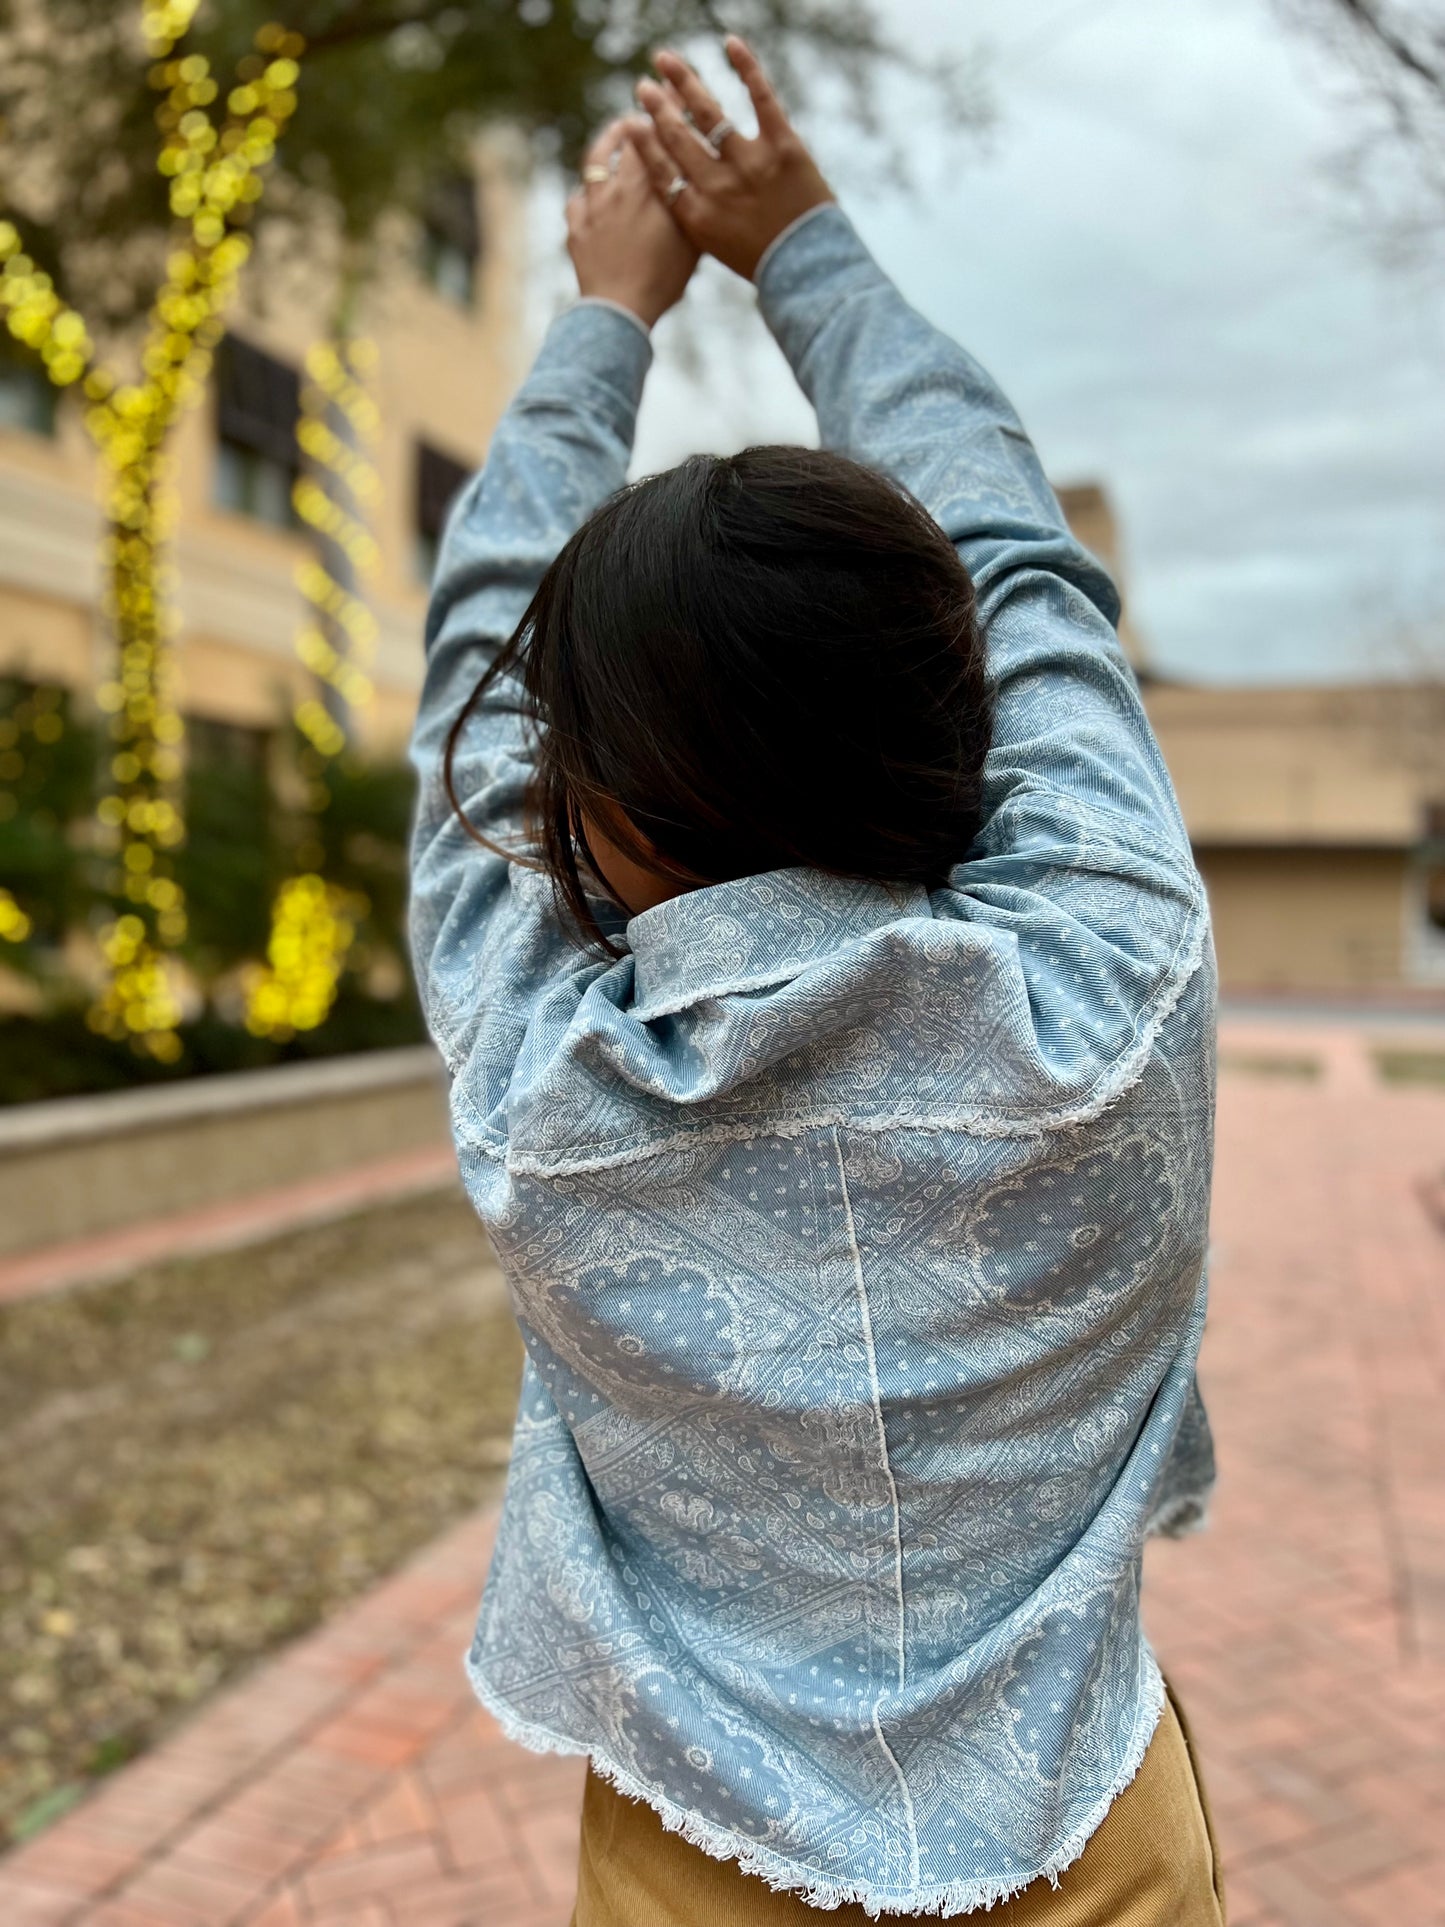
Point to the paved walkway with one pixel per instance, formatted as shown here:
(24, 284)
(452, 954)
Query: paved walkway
(351, 1780)
(1306, 1631)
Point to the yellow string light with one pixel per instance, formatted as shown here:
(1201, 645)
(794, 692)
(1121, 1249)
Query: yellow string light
(214, 166)
(313, 925)
(15, 926)
(309, 942)
(164, 22)
(336, 376)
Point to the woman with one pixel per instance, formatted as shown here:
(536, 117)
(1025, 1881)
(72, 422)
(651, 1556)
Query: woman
(808, 925)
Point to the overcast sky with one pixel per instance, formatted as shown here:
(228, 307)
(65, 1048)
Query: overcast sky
(1147, 255)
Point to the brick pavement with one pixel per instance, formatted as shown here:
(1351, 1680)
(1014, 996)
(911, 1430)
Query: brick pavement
(351, 1779)
(1306, 1631)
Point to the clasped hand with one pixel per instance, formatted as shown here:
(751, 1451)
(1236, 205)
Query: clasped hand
(678, 181)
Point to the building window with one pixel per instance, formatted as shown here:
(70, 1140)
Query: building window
(227, 745)
(27, 395)
(439, 478)
(232, 857)
(451, 238)
(258, 400)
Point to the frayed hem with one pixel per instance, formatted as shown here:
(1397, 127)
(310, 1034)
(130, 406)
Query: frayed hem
(1178, 1518)
(782, 1875)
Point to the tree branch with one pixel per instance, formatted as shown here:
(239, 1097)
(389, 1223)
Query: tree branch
(1368, 19)
(369, 26)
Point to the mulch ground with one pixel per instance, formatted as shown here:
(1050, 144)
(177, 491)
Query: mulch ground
(202, 1461)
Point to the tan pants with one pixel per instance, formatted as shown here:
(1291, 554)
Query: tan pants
(1151, 1863)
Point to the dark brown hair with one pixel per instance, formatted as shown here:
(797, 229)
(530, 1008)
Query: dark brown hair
(744, 664)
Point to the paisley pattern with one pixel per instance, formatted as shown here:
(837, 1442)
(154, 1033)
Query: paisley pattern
(857, 1235)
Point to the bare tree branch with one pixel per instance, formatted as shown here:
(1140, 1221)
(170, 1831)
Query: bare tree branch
(1391, 56)
(1392, 40)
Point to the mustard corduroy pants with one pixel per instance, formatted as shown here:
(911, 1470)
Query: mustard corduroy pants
(1152, 1862)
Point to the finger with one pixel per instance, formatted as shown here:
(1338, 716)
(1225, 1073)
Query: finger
(772, 121)
(690, 91)
(689, 120)
(577, 209)
(604, 144)
(630, 168)
(661, 167)
(686, 146)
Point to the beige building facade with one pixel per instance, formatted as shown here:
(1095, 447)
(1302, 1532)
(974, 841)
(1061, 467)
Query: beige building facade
(1316, 816)
(445, 318)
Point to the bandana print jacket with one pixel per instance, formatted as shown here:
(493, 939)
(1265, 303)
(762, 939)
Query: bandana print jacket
(856, 1234)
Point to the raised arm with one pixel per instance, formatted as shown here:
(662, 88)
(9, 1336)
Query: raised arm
(482, 934)
(893, 391)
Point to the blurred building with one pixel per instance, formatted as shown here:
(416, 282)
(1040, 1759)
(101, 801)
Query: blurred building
(1317, 820)
(445, 317)
(1317, 816)
(1091, 517)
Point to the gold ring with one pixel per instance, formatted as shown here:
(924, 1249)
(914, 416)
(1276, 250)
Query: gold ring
(594, 176)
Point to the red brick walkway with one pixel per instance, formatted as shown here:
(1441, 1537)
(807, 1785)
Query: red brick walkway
(1306, 1631)
(351, 1780)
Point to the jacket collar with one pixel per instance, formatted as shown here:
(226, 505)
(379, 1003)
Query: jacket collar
(755, 932)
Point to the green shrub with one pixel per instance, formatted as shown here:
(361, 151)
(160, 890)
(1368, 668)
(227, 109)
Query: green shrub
(245, 833)
(47, 776)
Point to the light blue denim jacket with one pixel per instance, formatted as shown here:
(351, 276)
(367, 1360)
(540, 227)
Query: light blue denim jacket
(856, 1234)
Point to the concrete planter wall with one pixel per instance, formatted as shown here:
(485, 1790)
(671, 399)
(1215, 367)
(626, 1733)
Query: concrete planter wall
(80, 1166)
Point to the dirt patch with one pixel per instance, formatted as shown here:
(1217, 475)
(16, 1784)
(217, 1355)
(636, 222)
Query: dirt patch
(1412, 1067)
(200, 1462)
(1272, 1064)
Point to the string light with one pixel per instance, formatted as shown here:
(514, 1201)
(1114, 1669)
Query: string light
(335, 391)
(338, 423)
(214, 165)
(313, 925)
(15, 926)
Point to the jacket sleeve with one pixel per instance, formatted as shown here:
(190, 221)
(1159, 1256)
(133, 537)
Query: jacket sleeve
(894, 392)
(485, 944)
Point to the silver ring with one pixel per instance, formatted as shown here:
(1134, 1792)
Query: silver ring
(675, 187)
(717, 135)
